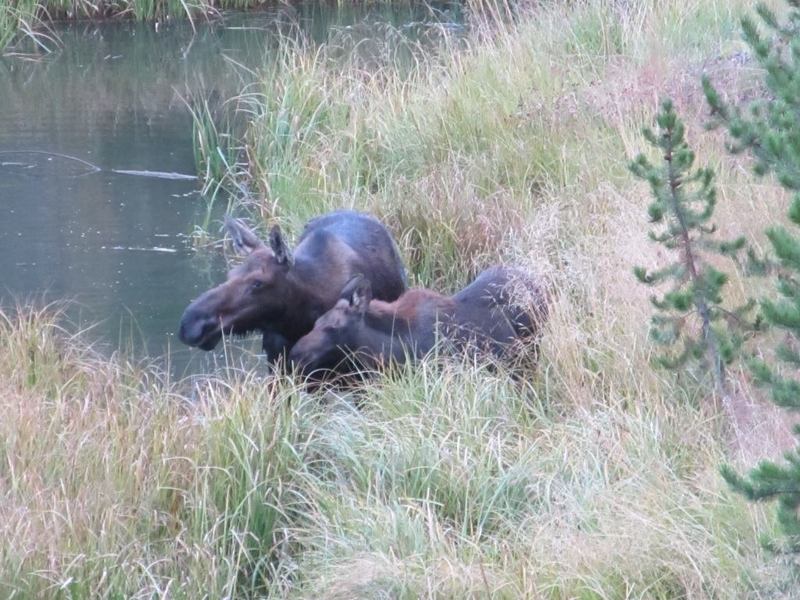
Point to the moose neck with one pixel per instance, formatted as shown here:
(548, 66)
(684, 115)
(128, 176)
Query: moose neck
(304, 302)
(382, 335)
(411, 323)
(395, 329)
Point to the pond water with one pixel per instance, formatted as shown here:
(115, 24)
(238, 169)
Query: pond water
(96, 165)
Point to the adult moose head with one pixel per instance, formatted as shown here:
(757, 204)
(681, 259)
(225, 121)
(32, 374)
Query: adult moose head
(502, 305)
(281, 293)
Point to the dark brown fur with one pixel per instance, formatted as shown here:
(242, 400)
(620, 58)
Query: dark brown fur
(486, 316)
(282, 295)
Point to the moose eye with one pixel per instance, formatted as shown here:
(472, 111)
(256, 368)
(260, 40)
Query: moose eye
(256, 284)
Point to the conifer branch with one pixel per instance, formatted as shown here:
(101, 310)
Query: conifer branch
(770, 131)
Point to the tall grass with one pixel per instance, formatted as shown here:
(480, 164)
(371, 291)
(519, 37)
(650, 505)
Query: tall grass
(23, 20)
(138, 9)
(448, 481)
(591, 476)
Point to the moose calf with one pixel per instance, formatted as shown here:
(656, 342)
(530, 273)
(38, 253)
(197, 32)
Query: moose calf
(359, 332)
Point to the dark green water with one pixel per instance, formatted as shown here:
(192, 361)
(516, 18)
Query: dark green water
(117, 245)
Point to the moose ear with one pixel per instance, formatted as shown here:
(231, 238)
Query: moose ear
(243, 238)
(279, 248)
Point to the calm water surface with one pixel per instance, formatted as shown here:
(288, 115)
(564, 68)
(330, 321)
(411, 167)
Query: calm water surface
(117, 244)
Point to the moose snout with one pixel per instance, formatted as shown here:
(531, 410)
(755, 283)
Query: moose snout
(297, 360)
(301, 359)
(198, 330)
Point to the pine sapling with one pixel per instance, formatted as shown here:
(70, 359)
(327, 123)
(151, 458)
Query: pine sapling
(691, 322)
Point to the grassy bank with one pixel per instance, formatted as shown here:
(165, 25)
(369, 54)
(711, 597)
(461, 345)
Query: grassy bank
(592, 477)
(513, 140)
(450, 482)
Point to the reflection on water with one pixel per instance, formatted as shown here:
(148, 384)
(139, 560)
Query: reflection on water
(77, 130)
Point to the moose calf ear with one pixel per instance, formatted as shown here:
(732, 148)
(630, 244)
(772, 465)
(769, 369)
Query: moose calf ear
(361, 296)
(279, 248)
(243, 239)
(350, 287)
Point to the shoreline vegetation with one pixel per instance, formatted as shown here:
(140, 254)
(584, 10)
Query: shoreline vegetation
(592, 476)
(32, 20)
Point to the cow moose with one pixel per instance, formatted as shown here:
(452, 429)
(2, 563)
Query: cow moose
(502, 305)
(282, 293)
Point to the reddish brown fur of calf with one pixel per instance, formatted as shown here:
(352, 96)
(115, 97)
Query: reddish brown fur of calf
(484, 317)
